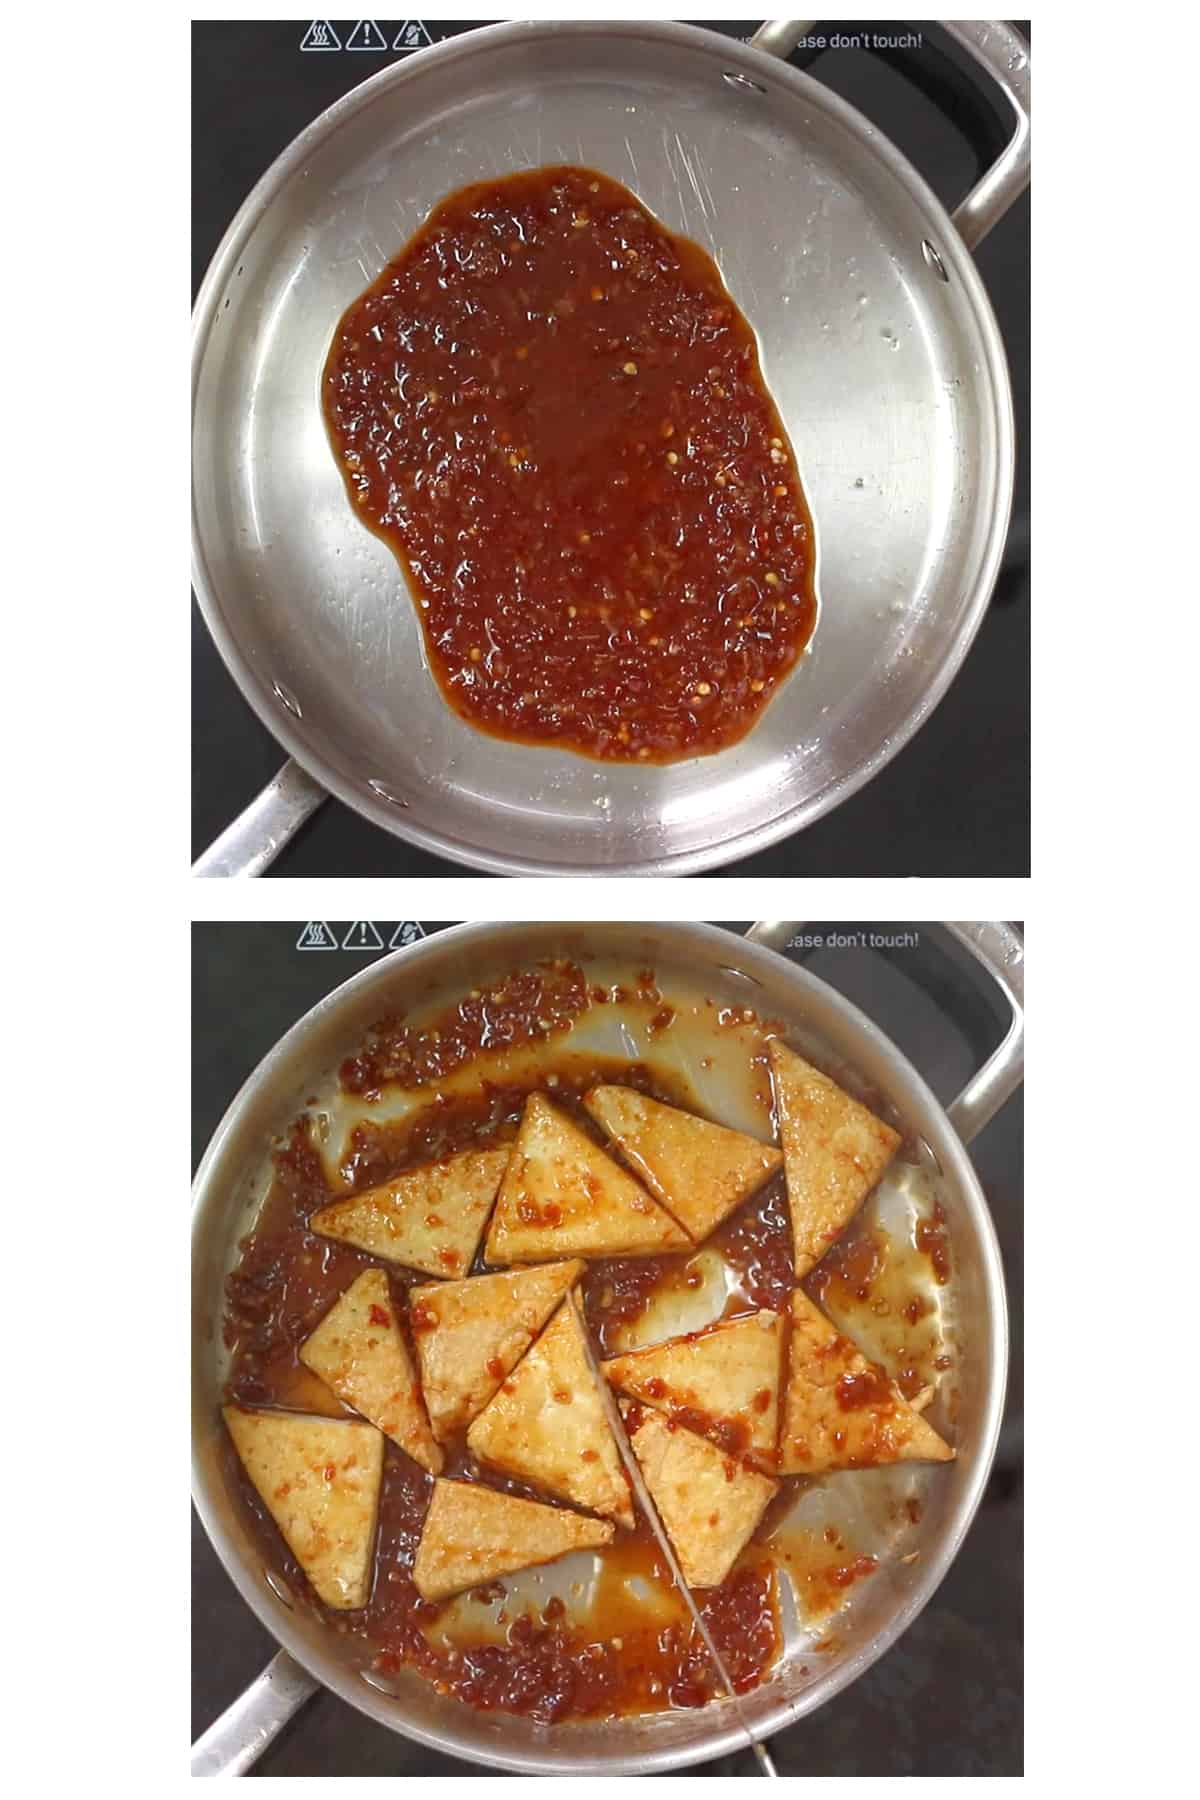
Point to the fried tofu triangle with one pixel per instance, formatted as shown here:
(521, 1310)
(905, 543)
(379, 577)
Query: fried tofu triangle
(834, 1152)
(319, 1479)
(699, 1171)
(562, 1196)
(472, 1535)
(358, 1350)
(724, 1381)
(547, 1425)
(430, 1218)
(470, 1334)
(840, 1411)
(709, 1504)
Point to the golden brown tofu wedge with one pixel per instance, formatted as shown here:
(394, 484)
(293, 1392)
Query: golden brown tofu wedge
(547, 1425)
(473, 1535)
(562, 1196)
(699, 1171)
(722, 1383)
(319, 1479)
(839, 1410)
(358, 1349)
(708, 1503)
(834, 1152)
(469, 1335)
(430, 1218)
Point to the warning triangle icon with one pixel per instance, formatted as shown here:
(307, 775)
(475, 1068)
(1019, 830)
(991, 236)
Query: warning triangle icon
(366, 36)
(407, 932)
(362, 935)
(316, 936)
(320, 36)
(412, 35)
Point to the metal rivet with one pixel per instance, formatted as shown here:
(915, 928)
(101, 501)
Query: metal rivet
(742, 81)
(926, 1152)
(933, 259)
(385, 793)
(371, 1680)
(286, 699)
(279, 1588)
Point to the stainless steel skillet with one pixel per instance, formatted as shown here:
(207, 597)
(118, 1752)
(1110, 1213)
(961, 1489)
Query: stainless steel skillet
(877, 340)
(696, 958)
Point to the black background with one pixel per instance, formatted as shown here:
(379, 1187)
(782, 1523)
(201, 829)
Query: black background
(946, 1699)
(955, 801)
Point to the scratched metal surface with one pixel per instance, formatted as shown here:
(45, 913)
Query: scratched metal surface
(889, 382)
(868, 1508)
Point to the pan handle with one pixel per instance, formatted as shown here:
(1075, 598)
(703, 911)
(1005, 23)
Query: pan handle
(238, 1738)
(1001, 950)
(271, 820)
(1002, 53)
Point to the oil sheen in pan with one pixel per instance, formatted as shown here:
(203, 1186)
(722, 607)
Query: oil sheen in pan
(713, 1050)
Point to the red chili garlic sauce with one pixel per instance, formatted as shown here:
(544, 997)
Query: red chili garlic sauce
(524, 1007)
(611, 1657)
(552, 1660)
(551, 409)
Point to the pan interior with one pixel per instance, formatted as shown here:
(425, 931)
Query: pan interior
(886, 377)
(869, 1507)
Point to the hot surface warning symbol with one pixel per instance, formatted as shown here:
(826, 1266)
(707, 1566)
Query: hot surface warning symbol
(366, 36)
(321, 36)
(316, 936)
(407, 932)
(362, 935)
(412, 35)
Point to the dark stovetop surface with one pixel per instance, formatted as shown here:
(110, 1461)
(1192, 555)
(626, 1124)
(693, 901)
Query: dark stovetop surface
(946, 1699)
(955, 800)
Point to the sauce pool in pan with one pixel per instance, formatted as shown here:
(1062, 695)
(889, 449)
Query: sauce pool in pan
(551, 409)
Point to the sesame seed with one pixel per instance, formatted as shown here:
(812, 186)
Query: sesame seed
(644, 613)
(593, 187)
(522, 352)
(777, 443)
(702, 687)
(642, 755)
(571, 611)
(514, 462)
(585, 537)
(756, 687)
(580, 218)
(629, 368)
(719, 392)
(672, 458)
(655, 642)
(597, 293)
(779, 492)
(721, 481)
(777, 456)
(771, 579)
(667, 429)
(476, 654)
